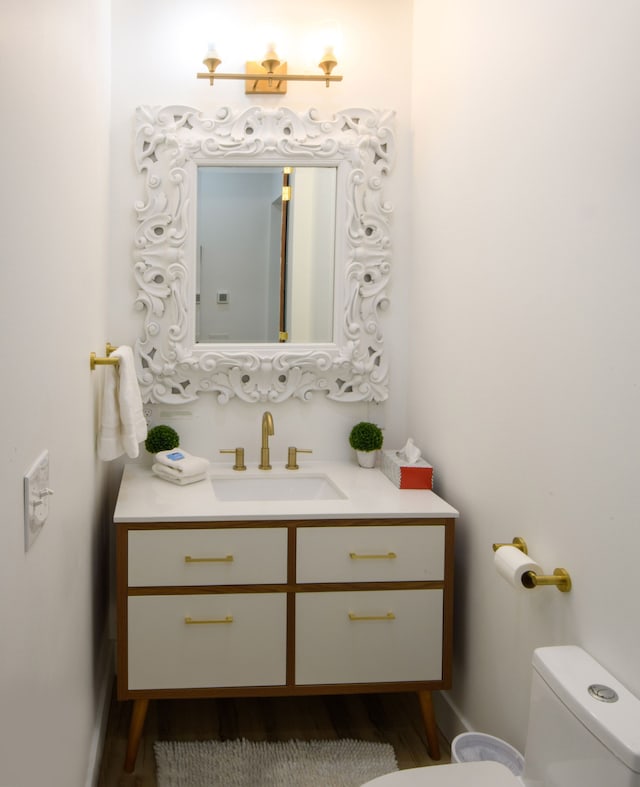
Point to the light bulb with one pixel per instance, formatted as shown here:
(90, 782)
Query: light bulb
(211, 52)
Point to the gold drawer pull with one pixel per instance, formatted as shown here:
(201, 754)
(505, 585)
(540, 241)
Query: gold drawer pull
(226, 559)
(192, 622)
(388, 616)
(388, 556)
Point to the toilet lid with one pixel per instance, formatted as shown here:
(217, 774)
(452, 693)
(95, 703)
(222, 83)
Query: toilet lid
(468, 774)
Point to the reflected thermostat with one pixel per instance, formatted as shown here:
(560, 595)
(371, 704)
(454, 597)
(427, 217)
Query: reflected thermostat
(222, 296)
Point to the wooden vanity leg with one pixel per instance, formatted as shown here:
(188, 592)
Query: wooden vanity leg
(429, 717)
(138, 715)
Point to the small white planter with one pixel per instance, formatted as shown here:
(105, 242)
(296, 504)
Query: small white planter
(367, 458)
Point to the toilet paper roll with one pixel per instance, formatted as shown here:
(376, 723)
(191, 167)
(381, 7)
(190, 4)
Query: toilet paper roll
(512, 564)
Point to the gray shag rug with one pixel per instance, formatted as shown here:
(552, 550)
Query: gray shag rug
(242, 763)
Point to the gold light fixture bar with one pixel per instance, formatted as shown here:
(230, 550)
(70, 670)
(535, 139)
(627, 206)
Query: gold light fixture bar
(271, 75)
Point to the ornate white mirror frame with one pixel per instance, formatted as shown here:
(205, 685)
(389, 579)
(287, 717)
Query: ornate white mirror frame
(170, 143)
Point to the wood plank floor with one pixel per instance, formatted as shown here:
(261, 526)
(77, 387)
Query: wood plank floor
(390, 718)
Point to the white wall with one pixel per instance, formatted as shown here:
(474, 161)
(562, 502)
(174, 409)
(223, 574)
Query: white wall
(157, 50)
(525, 394)
(54, 160)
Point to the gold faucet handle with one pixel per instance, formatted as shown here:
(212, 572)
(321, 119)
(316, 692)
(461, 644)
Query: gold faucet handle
(239, 452)
(292, 457)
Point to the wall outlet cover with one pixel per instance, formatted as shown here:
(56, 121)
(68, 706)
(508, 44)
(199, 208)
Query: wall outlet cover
(36, 499)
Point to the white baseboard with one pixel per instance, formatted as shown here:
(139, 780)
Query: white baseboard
(105, 684)
(450, 721)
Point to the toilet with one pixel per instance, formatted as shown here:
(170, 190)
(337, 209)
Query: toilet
(584, 731)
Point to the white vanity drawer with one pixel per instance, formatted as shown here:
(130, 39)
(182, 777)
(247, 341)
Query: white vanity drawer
(234, 640)
(368, 636)
(227, 556)
(371, 553)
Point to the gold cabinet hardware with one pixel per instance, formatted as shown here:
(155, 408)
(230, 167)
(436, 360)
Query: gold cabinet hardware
(239, 452)
(191, 622)
(292, 457)
(560, 578)
(388, 616)
(387, 556)
(225, 559)
(518, 543)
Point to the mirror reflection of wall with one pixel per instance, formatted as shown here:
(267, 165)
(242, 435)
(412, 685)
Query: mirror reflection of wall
(311, 243)
(259, 279)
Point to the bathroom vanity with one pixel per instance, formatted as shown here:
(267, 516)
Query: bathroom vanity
(223, 593)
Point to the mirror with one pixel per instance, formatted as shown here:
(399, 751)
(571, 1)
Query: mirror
(328, 298)
(266, 248)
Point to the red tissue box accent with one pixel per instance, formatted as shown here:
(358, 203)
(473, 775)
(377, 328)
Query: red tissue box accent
(418, 475)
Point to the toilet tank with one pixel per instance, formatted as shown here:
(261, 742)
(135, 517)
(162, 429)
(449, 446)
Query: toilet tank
(575, 739)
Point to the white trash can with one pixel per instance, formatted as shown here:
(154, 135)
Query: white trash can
(477, 746)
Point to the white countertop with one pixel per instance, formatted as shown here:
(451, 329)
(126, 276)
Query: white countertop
(369, 493)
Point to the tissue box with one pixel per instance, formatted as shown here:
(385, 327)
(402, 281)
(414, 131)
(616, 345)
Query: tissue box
(405, 476)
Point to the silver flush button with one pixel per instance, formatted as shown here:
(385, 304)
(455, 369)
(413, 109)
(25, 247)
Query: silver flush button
(602, 693)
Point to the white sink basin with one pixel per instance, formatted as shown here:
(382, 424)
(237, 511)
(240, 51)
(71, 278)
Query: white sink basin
(293, 487)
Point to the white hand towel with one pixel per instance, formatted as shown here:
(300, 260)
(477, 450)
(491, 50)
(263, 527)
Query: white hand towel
(167, 474)
(122, 423)
(183, 462)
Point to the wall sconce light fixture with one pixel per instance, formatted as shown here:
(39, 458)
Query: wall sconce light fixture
(270, 76)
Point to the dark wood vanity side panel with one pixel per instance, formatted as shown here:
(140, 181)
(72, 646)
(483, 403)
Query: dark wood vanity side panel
(447, 618)
(292, 542)
(122, 606)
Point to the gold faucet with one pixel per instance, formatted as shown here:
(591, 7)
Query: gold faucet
(267, 429)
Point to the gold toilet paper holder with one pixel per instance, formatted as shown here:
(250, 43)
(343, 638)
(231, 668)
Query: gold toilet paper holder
(560, 577)
(518, 543)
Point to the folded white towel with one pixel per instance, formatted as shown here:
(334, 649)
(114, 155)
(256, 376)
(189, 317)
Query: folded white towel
(122, 422)
(183, 462)
(167, 474)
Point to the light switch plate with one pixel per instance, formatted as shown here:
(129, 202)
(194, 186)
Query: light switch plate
(36, 499)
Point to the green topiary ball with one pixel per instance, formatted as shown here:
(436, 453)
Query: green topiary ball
(161, 438)
(366, 437)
